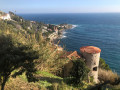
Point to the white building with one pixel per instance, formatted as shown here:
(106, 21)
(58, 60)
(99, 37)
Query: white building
(5, 17)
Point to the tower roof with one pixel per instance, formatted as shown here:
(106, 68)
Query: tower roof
(90, 49)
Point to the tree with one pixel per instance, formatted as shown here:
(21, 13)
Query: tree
(79, 71)
(14, 55)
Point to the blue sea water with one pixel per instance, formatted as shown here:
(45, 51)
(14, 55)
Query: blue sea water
(93, 29)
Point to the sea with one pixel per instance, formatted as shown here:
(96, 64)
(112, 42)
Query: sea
(90, 29)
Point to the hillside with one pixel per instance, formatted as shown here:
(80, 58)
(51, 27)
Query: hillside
(30, 60)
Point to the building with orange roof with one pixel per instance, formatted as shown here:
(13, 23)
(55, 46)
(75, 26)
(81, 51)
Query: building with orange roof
(92, 56)
(73, 55)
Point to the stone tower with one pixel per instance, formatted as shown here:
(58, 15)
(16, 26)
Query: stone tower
(92, 56)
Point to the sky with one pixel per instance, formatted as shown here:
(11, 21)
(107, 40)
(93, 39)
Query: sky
(60, 6)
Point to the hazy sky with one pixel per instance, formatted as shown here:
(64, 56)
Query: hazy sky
(60, 6)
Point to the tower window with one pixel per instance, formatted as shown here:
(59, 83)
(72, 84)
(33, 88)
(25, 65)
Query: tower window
(95, 69)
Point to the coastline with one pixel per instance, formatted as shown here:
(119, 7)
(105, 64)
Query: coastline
(61, 32)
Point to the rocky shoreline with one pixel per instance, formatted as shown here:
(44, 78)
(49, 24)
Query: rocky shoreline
(58, 31)
(61, 31)
(60, 35)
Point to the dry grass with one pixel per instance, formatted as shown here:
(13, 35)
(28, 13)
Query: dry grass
(107, 76)
(19, 84)
(62, 86)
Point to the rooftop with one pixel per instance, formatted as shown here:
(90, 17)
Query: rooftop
(73, 54)
(90, 49)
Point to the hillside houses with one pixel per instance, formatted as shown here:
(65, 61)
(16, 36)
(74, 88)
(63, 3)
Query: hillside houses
(5, 17)
(54, 35)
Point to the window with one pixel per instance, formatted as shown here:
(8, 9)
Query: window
(95, 69)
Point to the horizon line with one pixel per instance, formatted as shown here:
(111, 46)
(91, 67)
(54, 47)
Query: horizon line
(69, 13)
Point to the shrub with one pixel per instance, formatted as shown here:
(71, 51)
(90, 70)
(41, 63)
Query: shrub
(103, 65)
(107, 76)
(79, 72)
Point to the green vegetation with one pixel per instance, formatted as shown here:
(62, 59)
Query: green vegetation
(22, 54)
(15, 55)
(103, 65)
(79, 72)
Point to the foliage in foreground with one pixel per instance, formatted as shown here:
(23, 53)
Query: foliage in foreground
(13, 55)
(28, 52)
(79, 72)
(47, 81)
(21, 60)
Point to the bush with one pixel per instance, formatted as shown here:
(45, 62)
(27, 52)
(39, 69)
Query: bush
(107, 76)
(103, 65)
(79, 72)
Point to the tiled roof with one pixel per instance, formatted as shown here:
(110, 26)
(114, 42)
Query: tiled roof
(90, 49)
(73, 54)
